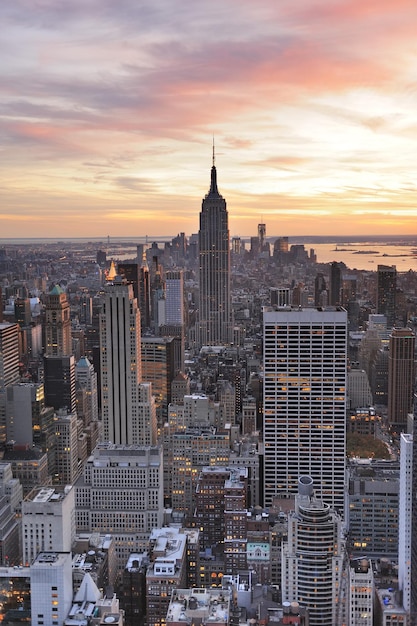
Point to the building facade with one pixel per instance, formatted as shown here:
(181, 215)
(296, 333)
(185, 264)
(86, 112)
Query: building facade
(401, 377)
(215, 318)
(305, 362)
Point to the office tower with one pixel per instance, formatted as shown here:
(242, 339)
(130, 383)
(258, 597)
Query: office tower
(215, 319)
(144, 302)
(261, 236)
(159, 368)
(320, 290)
(9, 369)
(121, 493)
(313, 557)
(280, 296)
(57, 323)
(101, 258)
(157, 295)
(22, 311)
(59, 364)
(300, 295)
(361, 593)
(386, 292)
(30, 423)
(401, 377)
(281, 248)
(174, 298)
(335, 283)
(127, 404)
(69, 453)
(407, 508)
(305, 401)
(29, 466)
(373, 507)
(59, 382)
(358, 389)
(11, 495)
(237, 246)
(130, 272)
(174, 322)
(186, 452)
(86, 380)
(51, 588)
(378, 323)
(85, 309)
(48, 521)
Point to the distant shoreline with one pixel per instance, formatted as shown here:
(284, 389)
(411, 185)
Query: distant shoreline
(149, 239)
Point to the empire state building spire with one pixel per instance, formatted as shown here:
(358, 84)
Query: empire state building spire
(215, 321)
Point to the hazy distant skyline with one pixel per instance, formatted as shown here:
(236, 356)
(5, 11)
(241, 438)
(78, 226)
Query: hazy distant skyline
(108, 110)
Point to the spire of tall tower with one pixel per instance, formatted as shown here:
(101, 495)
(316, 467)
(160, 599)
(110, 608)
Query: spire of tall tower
(213, 185)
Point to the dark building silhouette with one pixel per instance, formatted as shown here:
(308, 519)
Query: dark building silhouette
(386, 292)
(401, 377)
(335, 283)
(215, 321)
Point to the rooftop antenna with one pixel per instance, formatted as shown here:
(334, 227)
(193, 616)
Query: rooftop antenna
(214, 155)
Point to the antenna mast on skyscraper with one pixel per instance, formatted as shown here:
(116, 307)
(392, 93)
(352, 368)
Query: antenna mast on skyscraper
(214, 155)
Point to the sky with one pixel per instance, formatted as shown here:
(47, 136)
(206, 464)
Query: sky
(108, 110)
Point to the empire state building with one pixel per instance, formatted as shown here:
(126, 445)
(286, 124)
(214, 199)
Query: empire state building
(215, 320)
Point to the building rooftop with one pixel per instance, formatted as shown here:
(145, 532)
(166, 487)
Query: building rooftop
(203, 606)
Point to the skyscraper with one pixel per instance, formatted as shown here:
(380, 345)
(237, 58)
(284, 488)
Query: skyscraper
(59, 363)
(128, 409)
(406, 515)
(386, 292)
(57, 324)
(401, 375)
(312, 557)
(305, 354)
(215, 322)
(335, 283)
(9, 368)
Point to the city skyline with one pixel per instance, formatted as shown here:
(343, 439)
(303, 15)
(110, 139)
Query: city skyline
(109, 110)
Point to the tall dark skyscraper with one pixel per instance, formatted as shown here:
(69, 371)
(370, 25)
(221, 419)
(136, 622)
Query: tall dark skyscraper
(386, 292)
(401, 377)
(335, 283)
(215, 321)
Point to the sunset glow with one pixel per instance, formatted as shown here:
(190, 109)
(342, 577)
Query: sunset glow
(108, 111)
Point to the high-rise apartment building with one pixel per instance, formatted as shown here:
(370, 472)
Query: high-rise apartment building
(128, 409)
(386, 292)
(312, 557)
(215, 318)
(401, 377)
(305, 363)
